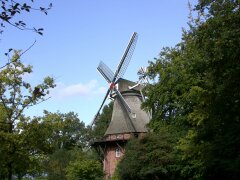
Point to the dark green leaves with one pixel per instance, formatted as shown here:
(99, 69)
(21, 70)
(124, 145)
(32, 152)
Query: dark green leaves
(102, 123)
(196, 93)
(149, 158)
(12, 9)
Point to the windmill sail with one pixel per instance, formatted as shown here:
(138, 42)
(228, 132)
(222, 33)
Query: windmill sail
(105, 72)
(122, 100)
(113, 78)
(97, 114)
(126, 57)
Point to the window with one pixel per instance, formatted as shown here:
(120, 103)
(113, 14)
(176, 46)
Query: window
(118, 152)
(134, 115)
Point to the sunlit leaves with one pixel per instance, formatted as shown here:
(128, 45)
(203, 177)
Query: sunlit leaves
(84, 169)
(16, 94)
(21, 140)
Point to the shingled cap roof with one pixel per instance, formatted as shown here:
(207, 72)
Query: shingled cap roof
(122, 121)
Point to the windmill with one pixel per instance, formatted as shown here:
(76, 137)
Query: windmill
(143, 79)
(112, 78)
(142, 82)
(128, 119)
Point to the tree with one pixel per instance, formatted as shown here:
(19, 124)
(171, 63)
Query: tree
(215, 118)
(197, 90)
(85, 169)
(98, 130)
(3, 128)
(150, 157)
(10, 14)
(57, 162)
(16, 95)
(68, 139)
(102, 122)
(67, 130)
(10, 10)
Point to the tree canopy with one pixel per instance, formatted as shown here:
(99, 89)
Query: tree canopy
(18, 149)
(196, 94)
(38, 147)
(148, 158)
(84, 168)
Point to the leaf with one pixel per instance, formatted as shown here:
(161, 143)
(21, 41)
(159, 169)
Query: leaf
(15, 6)
(13, 13)
(4, 8)
(40, 33)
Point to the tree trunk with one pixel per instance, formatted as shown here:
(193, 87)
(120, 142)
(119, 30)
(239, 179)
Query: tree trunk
(9, 167)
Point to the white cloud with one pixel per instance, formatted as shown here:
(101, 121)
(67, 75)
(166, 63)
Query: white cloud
(88, 90)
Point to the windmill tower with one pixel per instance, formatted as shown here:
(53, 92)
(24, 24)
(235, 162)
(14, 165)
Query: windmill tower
(128, 119)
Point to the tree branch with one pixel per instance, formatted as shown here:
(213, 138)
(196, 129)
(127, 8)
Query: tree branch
(9, 62)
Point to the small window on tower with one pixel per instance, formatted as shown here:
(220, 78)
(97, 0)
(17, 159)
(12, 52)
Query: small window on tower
(134, 115)
(118, 152)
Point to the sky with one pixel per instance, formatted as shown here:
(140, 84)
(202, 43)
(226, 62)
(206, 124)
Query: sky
(78, 34)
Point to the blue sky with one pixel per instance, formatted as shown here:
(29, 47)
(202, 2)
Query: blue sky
(80, 33)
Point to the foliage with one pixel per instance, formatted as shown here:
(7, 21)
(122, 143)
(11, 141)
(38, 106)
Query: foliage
(150, 157)
(18, 149)
(68, 138)
(197, 90)
(58, 161)
(11, 10)
(102, 122)
(11, 13)
(23, 149)
(84, 168)
(15, 94)
(67, 130)
(99, 128)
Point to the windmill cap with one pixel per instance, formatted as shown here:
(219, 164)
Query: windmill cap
(124, 85)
